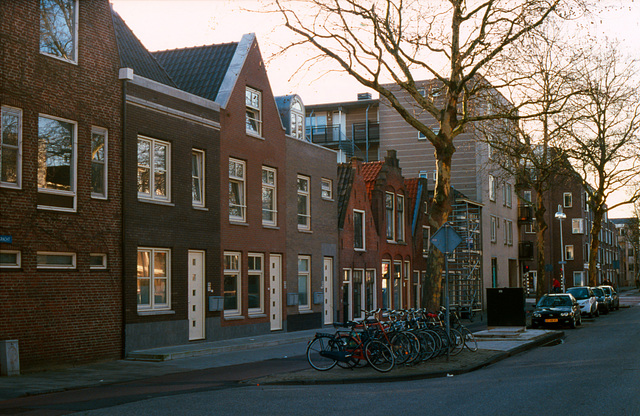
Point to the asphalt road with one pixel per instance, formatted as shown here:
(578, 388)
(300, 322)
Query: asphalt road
(595, 371)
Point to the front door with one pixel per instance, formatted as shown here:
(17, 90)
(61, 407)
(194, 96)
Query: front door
(275, 291)
(327, 288)
(196, 295)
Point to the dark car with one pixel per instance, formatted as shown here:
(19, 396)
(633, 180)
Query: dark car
(556, 309)
(611, 292)
(604, 301)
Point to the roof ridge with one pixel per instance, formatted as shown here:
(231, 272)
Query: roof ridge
(195, 47)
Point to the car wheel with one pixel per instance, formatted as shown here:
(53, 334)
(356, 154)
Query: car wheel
(597, 313)
(572, 324)
(580, 320)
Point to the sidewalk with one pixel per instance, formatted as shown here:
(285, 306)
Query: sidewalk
(494, 345)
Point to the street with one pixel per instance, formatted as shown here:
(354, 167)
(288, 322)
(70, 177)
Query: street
(595, 369)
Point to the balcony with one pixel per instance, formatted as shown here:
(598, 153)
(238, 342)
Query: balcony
(359, 132)
(525, 250)
(525, 214)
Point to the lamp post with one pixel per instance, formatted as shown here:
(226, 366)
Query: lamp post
(561, 216)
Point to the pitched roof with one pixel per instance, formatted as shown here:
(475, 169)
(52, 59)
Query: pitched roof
(411, 188)
(370, 171)
(134, 55)
(200, 70)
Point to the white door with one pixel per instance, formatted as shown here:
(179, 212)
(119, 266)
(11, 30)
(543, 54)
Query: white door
(327, 287)
(196, 295)
(275, 291)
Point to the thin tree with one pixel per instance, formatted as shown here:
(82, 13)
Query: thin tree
(604, 137)
(454, 42)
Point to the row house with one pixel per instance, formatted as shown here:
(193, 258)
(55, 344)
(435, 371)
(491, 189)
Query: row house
(171, 194)
(277, 233)
(567, 247)
(382, 231)
(486, 206)
(60, 182)
(628, 240)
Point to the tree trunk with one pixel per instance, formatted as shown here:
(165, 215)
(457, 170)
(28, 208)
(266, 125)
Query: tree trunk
(541, 229)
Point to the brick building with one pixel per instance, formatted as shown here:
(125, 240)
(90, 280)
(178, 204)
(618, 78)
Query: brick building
(60, 188)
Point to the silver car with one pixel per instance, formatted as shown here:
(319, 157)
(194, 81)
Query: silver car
(586, 299)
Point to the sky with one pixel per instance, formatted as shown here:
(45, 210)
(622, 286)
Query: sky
(170, 24)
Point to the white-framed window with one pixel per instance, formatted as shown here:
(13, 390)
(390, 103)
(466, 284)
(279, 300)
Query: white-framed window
(11, 147)
(237, 202)
(59, 29)
(426, 240)
(508, 232)
(10, 259)
(197, 178)
(577, 226)
(57, 161)
(304, 203)
(327, 188)
(400, 218)
(568, 252)
(506, 193)
(154, 278)
(567, 199)
(531, 228)
(304, 282)
(386, 284)
(97, 261)
(55, 260)
(254, 111)
(255, 283)
(359, 240)
(494, 228)
(269, 196)
(232, 284)
(492, 188)
(154, 169)
(99, 157)
(357, 304)
(297, 119)
(389, 207)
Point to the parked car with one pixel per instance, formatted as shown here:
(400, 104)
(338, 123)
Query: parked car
(604, 301)
(611, 292)
(586, 299)
(557, 309)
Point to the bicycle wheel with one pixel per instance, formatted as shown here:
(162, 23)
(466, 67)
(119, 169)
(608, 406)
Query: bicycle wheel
(401, 347)
(379, 356)
(469, 340)
(428, 345)
(315, 350)
(457, 341)
(351, 345)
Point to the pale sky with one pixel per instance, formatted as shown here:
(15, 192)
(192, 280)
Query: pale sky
(169, 24)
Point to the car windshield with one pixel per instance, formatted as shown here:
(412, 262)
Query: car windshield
(598, 291)
(607, 291)
(579, 292)
(553, 301)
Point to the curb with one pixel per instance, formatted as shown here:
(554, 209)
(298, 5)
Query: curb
(388, 377)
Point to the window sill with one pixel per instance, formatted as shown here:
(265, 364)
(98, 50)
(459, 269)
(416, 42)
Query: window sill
(156, 202)
(328, 199)
(270, 227)
(243, 224)
(69, 61)
(59, 209)
(305, 311)
(158, 312)
(234, 318)
(360, 250)
(257, 315)
(10, 186)
(197, 208)
(255, 135)
(100, 197)
(305, 231)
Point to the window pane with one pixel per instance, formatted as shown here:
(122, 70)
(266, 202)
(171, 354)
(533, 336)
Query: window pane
(143, 180)
(97, 178)
(144, 153)
(97, 260)
(235, 199)
(303, 264)
(10, 128)
(57, 28)
(9, 163)
(159, 291)
(303, 185)
(55, 154)
(143, 292)
(160, 264)
(303, 290)
(267, 204)
(8, 258)
(160, 183)
(143, 263)
(230, 292)
(55, 260)
(160, 157)
(357, 230)
(254, 291)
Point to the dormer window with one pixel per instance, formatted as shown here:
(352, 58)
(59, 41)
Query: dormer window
(59, 29)
(297, 120)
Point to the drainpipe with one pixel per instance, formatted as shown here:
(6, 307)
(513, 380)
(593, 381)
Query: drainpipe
(366, 133)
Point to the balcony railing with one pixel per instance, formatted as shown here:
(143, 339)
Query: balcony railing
(359, 132)
(525, 214)
(333, 135)
(325, 135)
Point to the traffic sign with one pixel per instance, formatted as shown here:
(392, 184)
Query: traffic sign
(446, 239)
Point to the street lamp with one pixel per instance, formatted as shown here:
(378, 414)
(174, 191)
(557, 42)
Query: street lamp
(561, 216)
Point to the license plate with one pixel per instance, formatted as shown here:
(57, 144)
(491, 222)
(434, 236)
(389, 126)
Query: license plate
(551, 320)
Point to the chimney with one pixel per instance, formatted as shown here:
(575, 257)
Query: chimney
(391, 159)
(364, 96)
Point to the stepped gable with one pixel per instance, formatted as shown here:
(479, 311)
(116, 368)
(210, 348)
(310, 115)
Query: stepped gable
(134, 55)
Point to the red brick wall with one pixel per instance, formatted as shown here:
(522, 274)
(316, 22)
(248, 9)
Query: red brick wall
(62, 317)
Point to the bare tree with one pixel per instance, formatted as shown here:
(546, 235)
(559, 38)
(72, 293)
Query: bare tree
(454, 42)
(604, 136)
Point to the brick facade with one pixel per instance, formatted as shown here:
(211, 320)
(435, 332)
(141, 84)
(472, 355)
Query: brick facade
(62, 316)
